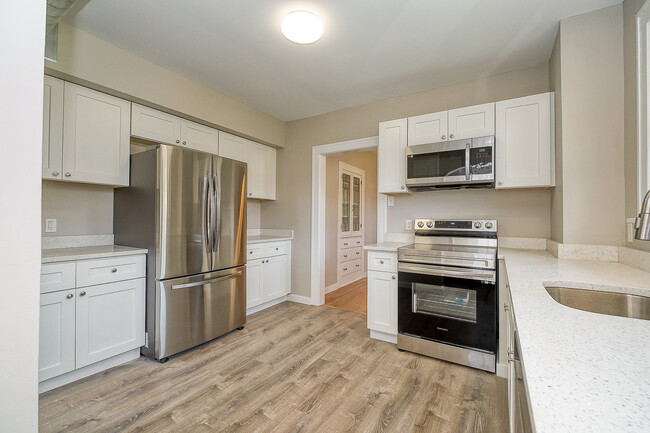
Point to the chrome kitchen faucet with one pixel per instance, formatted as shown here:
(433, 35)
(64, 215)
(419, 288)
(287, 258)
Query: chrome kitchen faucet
(643, 220)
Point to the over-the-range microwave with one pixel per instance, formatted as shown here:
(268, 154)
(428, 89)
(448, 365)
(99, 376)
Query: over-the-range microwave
(451, 164)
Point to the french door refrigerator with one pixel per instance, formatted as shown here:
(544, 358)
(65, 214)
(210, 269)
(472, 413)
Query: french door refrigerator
(188, 209)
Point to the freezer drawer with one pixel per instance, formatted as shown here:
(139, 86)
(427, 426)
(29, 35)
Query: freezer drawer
(196, 309)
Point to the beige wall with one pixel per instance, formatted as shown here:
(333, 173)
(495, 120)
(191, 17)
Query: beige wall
(91, 61)
(80, 209)
(366, 161)
(630, 9)
(555, 83)
(593, 180)
(292, 209)
(253, 214)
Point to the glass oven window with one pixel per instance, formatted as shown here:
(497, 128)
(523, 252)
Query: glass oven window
(437, 164)
(443, 301)
(480, 160)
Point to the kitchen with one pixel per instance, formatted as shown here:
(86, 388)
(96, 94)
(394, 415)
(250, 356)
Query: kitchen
(594, 60)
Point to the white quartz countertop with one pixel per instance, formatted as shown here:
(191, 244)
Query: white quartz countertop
(267, 238)
(385, 246)
(82, 253)
(585, 372)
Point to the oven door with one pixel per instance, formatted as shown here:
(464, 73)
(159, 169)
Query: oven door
(452, 310)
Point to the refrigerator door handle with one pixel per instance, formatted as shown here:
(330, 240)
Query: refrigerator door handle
(217, 214)
(207, 227)
(204, 282)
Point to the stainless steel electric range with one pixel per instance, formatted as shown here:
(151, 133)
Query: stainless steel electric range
(447, 292)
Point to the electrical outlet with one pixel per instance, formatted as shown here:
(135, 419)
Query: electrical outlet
(409, 224)
(50, 225)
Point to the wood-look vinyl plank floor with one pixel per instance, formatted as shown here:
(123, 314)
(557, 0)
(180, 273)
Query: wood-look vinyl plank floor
(294, 368)
(351, 297)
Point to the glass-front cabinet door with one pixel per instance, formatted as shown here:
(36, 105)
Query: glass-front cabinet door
(350, 200)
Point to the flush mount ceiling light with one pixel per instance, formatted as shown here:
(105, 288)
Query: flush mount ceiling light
(302, 27)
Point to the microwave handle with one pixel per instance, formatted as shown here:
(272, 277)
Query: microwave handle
(467, 147)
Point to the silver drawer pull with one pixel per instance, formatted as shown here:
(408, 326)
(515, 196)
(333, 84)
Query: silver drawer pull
(381, 262)
(357, 253)
(393, 277)
(82, 293)
(345, 243)
(204, 282)
(345, 269)
(250, 252)
(358, 265)
(69, 296)
(114, 270)
(345, 255)
(277, 249)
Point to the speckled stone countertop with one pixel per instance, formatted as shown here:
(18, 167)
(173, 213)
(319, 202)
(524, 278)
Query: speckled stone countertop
(267, 238)
(385, 246)
(585, 372)
(83, 253)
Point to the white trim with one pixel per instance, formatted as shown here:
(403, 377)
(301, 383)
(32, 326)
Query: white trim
(643, 149)
(88, 370)
(318, 185)
(383, 336)
(264, 306)
(603, 253)
(299, 299)
(334, 287)
(502, 370)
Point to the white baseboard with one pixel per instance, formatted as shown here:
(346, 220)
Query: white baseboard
(331, 288)
(502, 370)
(299, 299)
(265, 305)
(383, 336)
(88, 370)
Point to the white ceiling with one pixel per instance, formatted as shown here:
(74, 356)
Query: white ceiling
(371, 49)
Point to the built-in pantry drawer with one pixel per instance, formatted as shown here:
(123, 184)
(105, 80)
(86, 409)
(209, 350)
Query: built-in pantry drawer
(350, 267)
(57, 276)
(276, 249)
(385, 261)
(350, 242)
(255, 251)
(351, 254)
(101, 271)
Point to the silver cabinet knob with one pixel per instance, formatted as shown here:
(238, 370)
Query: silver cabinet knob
(451, 135)
(345, 255)
(114, 270)
(500, 183)
(345, 269)
(403, 187)
(178, 141)
(82, 293)
(69, 296)
(357, 253)
(250, 252)
(345, 243)
(443, 137)
(250, 193)
(381, 262)
(184, 143)
(393, 277)
(277, 249)
(68, 174)
(55, 173)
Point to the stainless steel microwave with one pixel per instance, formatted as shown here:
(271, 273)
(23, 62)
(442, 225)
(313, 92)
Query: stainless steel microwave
(451, 164)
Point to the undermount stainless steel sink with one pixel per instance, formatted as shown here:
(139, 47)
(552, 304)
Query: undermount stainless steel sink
(614, 304)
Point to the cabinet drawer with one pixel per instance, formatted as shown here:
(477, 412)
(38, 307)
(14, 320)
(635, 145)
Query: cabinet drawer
(351, 242)
(276, 249)
(57, 276)
(351, 254)
(255, 251)
(350, 267)
(382, 261)
(100, 271)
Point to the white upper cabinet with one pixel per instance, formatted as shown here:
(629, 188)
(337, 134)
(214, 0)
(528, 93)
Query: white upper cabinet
(470, 122)
(391, 157)
(525, 142)
(52, 128)
(427, 128)
(199, 137)
(155, 125)
(96, 129)
(232, 147)
(261, 171)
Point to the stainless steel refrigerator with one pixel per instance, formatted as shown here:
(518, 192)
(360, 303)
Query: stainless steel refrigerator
(188, 209)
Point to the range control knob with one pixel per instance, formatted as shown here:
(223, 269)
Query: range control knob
(477, 225)
(429, 224)
(488, 225)
(420, 224)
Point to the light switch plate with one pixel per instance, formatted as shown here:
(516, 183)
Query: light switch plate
(391, 200)
(50, 225)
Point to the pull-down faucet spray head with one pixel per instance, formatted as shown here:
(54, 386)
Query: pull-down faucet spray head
(643, 220)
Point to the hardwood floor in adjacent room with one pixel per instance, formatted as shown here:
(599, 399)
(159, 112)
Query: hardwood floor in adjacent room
(351, 297)
(294, 368)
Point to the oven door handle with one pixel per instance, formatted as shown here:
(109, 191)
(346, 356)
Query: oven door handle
(442, 271)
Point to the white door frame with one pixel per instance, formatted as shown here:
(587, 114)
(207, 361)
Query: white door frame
(318, 185)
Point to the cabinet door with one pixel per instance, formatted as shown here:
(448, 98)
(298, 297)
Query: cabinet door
(56, 354)
(52, 128)
(512, 379)
(110, 320)
(254, 295)
(524, 142)
(274, 277)
(261, 171)
(391, 157)
(427, 128)
(155, 125)
(199, 137)
(95, 137)
(470, 122)
(382, 301)
(231, 146)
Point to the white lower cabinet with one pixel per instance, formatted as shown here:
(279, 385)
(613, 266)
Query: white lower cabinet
(268, 278)
(84, 325)
(382, 295)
